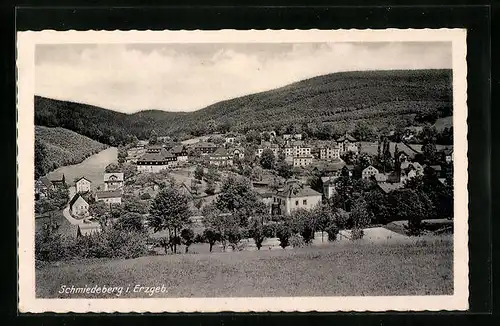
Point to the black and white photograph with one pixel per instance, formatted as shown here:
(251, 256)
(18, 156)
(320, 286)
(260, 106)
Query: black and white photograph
(243, 171)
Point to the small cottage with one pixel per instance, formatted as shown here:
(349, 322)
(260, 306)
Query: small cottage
(78, 206)
(82, 185)
(113, 181)
(109, 196)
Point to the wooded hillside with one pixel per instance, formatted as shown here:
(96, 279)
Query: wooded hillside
(380, 98)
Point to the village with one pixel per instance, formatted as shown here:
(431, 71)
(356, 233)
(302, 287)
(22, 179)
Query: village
(287, 173)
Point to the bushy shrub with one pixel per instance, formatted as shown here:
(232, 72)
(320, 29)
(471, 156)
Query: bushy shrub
(307, 234)
(283, 233)
(332, 232)
(50, 246)
(199, 238)
(357, 234)
(269, 230)
(297, 241)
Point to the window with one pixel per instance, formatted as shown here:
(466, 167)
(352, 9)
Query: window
(304, 202)
(296, 203)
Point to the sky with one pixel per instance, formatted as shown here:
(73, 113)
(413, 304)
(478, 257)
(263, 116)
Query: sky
(187, 77)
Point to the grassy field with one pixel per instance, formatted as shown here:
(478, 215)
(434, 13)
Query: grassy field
(343, 269)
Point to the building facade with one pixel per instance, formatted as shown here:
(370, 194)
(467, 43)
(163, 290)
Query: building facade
(109, 196)
(368, 172)
(156, 162)
(82, 185)
(295, 196)
(78, 206)
(302, 161)
(113, 181)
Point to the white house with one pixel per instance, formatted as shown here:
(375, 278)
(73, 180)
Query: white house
(329, 152)
(180, 152)
(303, 160)
(328, 186)
(78, 206)
(368, 172)
(109, 196)
(82, 185)
(221, 158)
(113, 181)
(293, 196)
(348, 143)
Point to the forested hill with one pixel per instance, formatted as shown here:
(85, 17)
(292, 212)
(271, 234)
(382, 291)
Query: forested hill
(382, 98)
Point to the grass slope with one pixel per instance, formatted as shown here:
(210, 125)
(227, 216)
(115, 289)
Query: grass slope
(382, 97)
(65, 147)
(352, 269)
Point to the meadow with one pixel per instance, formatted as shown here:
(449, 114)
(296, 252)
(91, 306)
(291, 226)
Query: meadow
(424, 267)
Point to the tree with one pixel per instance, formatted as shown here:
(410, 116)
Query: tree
(187, 236)
(257, 232)
(266, 136)
(40, 159)
(238, 197)
(130, 222)
(112, 168)
(122, 154)
(362, 131)
(412, 205)
(100, 211)
(212, 175)
(360, 215)
(267, 159)
(198, 172)
(212, 237)
(169, 210)
(223, 223)
(283, 232)
(304, 222)
(325, 218)
(284, 170)
(210, 189)
(153, 138)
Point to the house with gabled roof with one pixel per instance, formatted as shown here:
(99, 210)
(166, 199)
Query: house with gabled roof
(82, 185)
(294, 195)
(348, 143)
(221, 157)
(368, 172)
(156, 162)
(109, 196)
(78, 206)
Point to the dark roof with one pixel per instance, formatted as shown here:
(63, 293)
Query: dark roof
(156, 157)
(74, 199)
(333, 165)
(387, 187)
(436, 167)
(300, 190)
(108, 194)
(348, 137)
(448, 151)
(220, 152)
(46, 182)
(204, 144)
(83, 178)
(178, 149)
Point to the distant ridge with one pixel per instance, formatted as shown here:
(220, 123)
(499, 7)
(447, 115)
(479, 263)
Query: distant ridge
(384, 98)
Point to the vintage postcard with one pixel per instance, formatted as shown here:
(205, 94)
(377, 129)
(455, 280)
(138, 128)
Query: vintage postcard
(276, 170)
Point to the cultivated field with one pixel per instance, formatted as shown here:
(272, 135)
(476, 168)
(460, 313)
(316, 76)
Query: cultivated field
(341, 269)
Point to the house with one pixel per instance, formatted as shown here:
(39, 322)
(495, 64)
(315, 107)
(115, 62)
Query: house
(368, 172)
(302, 161)
(109, 196)
(205, 148)
(387, 187)
(348, 143)
(405, 151)
(113, 181)
(156, 162)
(448, 155)
(180, 152)
(59, 183)
(42, 187)
(82, 185)
(78, 206)
(88, 228)
(237, 152)
(295, 195)
(328, 186)
(267, 145)
(230, 139)
(410, 170)
(331, 169)
(221, 158)
(292, 136)
(381, 177)
(154, 149)
(296, 148)
(329, 151)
